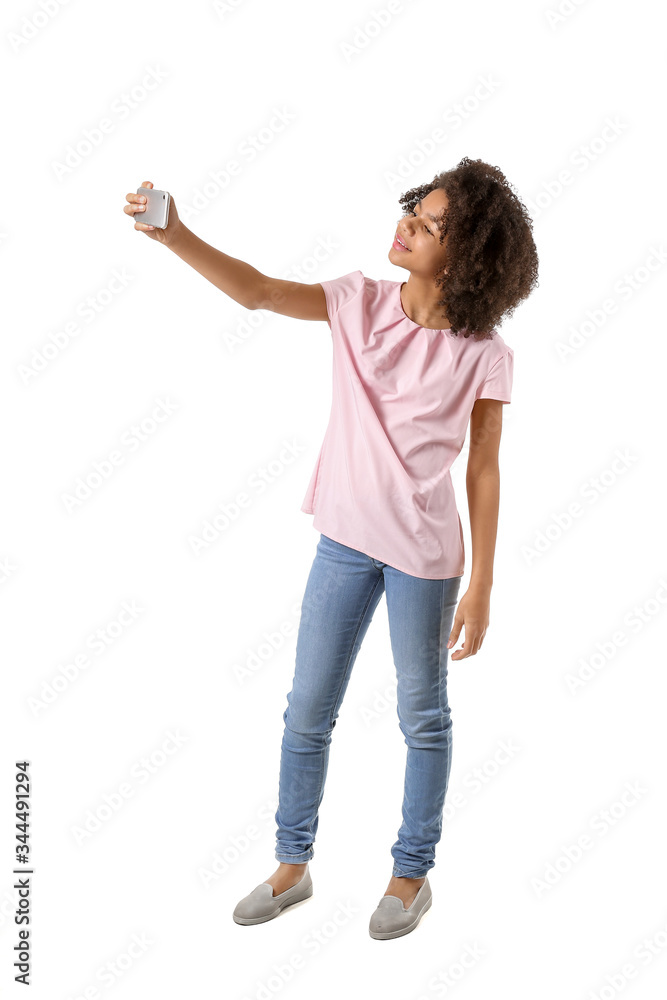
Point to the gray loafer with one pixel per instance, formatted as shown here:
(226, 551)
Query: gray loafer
(261, 904)
(391, 919)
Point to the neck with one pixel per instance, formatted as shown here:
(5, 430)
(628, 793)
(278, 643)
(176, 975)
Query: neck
(419, 298)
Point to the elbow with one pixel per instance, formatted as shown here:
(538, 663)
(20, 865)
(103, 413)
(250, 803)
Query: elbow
(262, 297)
(486, 470)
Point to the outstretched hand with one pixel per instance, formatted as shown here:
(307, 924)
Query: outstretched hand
(472, 614)
(136, 204)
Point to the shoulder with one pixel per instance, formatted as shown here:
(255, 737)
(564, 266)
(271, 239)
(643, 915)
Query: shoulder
(491, 350)
(340, 290)
(358, 281)
(353, 280)
(499, 348)
(354, 290)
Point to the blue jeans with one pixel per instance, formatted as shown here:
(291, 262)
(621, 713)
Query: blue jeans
(343, 590)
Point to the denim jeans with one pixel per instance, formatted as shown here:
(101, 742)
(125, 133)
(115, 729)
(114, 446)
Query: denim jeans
(343, 590)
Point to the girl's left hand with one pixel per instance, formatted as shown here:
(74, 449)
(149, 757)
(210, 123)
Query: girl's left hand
(473, 613)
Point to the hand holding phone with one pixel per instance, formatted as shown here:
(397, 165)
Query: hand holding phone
(154, 212)
(157, 207)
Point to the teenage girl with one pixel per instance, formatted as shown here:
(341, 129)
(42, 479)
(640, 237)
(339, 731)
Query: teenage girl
(414, 363)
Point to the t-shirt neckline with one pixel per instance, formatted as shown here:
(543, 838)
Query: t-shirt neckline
(431, 329)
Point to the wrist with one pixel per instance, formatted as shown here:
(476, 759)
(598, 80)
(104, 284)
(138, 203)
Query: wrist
(480, 584)
(177, 238)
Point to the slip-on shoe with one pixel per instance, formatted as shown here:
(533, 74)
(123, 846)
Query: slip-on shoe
(391, 919)
(261, 904)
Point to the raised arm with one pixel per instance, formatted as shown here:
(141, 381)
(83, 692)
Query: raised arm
(246, 284)
(241, 281)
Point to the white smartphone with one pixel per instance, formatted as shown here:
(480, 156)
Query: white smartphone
(156, 212)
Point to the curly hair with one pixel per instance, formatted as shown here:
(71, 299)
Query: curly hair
(492, 259)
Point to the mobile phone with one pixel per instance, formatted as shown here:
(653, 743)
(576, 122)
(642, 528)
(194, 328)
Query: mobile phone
(156, 212)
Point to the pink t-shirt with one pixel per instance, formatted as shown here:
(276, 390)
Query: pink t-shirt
(401, 403)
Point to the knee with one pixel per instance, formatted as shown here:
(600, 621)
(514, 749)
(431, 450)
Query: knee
(305, 729)
(426, 730)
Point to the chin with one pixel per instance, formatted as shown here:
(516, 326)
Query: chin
(395, 257)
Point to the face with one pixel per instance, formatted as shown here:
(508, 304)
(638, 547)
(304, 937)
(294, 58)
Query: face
(421, 235)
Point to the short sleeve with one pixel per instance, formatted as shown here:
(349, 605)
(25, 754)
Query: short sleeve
(339, 291)
(498, 383)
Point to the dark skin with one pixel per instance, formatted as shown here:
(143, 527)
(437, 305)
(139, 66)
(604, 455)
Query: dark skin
(419, 298)
(426, 254)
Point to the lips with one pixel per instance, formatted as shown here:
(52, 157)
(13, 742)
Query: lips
(399, 245)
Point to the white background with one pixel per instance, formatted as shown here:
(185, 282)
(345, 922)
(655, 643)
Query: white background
(508, 885)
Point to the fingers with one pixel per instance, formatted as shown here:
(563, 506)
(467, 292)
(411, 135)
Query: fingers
(471, 646)
(474, 636)
(456, 630)
(136, 201)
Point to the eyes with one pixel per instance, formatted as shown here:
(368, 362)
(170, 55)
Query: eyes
(412, 212)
